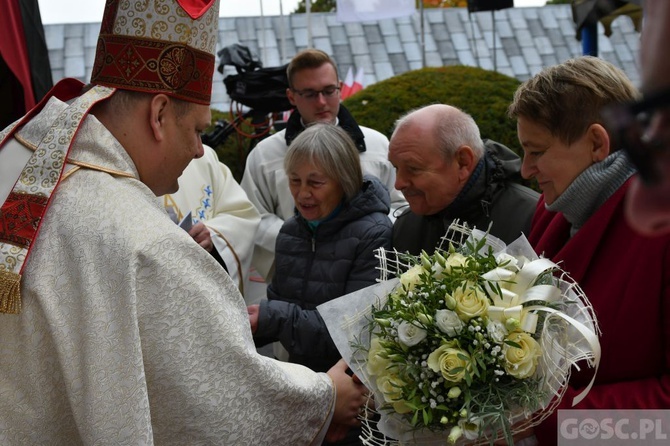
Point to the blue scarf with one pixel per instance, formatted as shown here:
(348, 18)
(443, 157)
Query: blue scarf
(313, 224)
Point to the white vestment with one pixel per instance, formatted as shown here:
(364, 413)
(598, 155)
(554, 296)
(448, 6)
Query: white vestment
(131, 333)
(208, 190)
(266, 185)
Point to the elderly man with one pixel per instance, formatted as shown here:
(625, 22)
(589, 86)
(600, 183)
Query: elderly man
(314, 90)
(116, 327)
(446, 172)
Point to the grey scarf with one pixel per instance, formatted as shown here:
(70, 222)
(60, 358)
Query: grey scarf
(592, 188)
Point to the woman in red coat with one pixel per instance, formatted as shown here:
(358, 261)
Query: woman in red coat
(580, 224)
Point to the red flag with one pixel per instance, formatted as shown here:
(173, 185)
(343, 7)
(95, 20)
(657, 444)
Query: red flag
(358, 82)
(348, 83)
(13, 50)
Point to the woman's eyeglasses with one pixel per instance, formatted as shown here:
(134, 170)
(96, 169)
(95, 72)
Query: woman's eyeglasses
(633, 126)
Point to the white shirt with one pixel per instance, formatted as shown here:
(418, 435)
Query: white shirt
(208, 190)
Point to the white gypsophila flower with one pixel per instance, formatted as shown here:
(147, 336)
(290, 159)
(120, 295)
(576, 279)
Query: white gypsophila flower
(497, 331)
(448, 322)
(410, 334)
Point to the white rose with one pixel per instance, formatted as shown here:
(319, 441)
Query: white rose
(448, 322)
(499, 274)
(507, 261)
(410, 334)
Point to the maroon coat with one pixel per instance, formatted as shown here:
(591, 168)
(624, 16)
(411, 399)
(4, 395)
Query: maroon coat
(627, 279)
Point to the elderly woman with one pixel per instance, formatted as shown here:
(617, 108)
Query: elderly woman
(580, 223)
(327, 249)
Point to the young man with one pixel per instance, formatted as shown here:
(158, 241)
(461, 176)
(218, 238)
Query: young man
(314, 90)
(116, 326)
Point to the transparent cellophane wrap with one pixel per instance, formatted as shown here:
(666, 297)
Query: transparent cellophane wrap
(567, 337)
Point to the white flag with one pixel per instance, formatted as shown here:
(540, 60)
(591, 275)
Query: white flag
(348, 83)
(373, 10)
(358, 82)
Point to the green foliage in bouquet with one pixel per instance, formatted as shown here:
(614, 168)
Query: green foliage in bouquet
(476, 341)
(449, 354)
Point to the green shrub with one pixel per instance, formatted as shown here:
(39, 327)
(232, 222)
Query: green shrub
(483, 94)
(233, 151)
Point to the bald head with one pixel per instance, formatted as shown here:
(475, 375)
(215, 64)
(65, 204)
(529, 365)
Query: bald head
(446, 126)
(435, 150)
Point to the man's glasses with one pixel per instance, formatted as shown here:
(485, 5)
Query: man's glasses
(327, 92)
(632, 127)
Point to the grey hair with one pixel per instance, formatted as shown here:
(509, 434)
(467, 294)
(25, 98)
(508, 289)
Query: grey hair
(454, 128)
(332, 149)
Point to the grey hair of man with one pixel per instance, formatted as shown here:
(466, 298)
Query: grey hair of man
(453, 128)
(331, 149)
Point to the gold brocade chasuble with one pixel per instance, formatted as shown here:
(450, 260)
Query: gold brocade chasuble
(22, 212)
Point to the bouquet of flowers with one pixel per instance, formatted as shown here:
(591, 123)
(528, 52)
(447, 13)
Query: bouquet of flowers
(473, 343)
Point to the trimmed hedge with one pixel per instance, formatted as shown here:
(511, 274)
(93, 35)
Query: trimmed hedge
(483, 94)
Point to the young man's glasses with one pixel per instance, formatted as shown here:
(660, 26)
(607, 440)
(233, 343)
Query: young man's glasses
(327, 92)
(630, 124)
